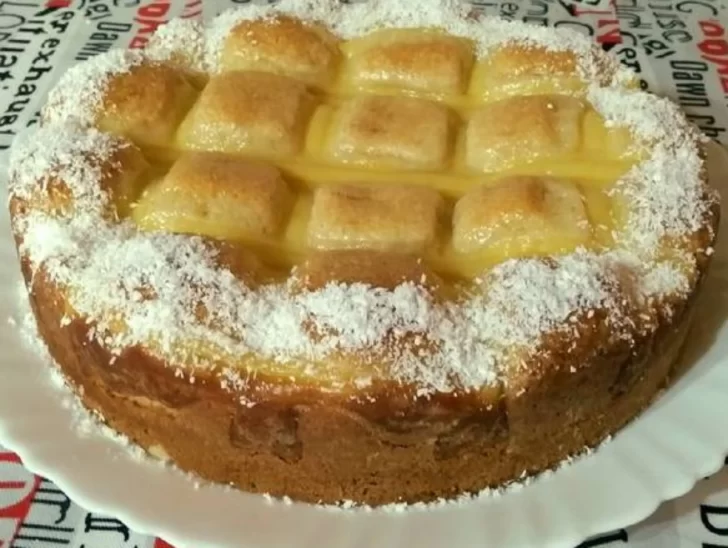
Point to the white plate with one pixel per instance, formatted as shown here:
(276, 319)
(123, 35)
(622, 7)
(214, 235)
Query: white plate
(658, 457)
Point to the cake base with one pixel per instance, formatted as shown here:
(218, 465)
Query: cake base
(318, 447)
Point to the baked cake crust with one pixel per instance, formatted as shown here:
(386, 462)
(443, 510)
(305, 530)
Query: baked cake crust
(445, 313)
(391, 447)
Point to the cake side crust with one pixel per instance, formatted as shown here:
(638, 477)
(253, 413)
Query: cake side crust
(319, 447)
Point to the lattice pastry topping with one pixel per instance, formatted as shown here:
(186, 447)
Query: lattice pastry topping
(467, 145)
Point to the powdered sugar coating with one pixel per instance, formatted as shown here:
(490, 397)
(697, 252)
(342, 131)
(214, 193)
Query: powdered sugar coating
(403, 334)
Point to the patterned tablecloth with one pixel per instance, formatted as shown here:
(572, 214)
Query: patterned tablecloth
(678, 47)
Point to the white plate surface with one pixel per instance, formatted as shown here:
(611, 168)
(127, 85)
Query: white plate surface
(659, 457)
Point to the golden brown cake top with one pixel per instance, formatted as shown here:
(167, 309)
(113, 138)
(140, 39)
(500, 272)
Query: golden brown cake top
(345, 194)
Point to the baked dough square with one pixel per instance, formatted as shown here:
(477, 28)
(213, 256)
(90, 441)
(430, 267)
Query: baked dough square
(517, 69)
(217, 195)
(423, 61)
(501, 135)
(520, 216)
(248, 112)
(145, 104)
(390, 132)
(284, 46)
(384, 218)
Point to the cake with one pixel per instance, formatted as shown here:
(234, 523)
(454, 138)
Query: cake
(389, 252)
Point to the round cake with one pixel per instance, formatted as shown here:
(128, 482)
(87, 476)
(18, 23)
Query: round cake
(382, 252)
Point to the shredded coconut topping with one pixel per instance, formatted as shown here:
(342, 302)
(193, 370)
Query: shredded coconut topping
(80, 91)
(180, 40)
(141, 288)
(666, 191)
(33, 169)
